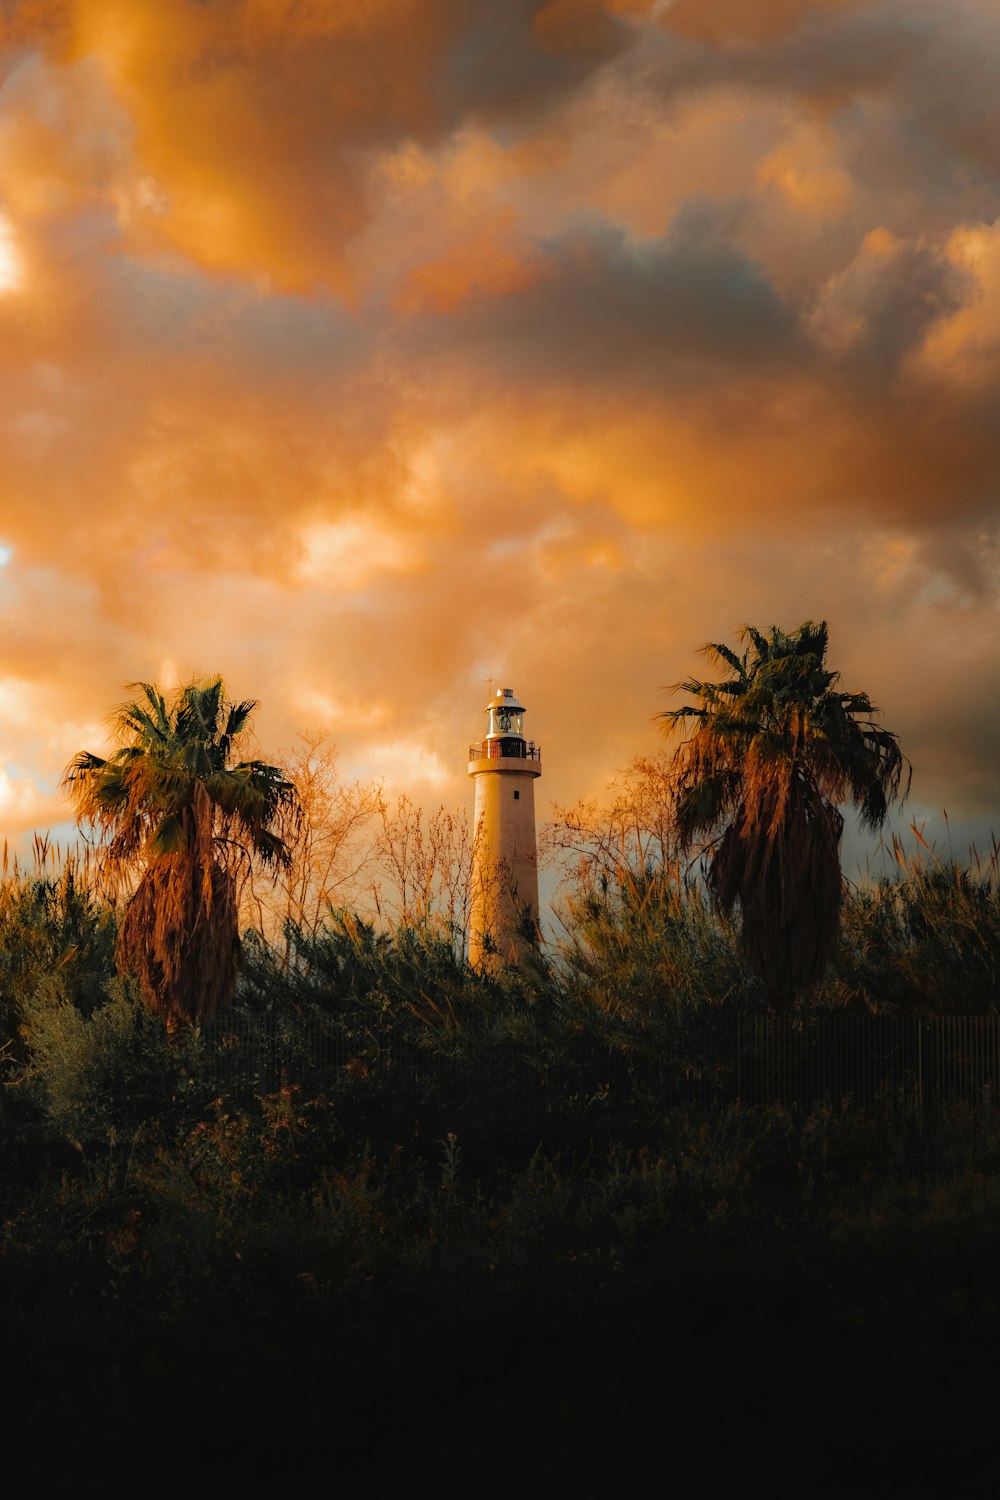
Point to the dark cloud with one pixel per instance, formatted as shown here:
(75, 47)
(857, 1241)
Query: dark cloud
(884, 304)
(607, 313)
(507, 62)
(831, 55)
(722, 21)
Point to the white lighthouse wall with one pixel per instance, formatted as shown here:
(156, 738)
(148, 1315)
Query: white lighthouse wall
(505, 889)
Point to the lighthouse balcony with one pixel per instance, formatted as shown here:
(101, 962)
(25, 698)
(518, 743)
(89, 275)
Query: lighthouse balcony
(505, 747)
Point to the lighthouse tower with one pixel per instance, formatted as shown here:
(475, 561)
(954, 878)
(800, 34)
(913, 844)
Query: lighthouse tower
(504, 765)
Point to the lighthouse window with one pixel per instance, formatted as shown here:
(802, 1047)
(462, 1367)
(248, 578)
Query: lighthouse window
(517, 796)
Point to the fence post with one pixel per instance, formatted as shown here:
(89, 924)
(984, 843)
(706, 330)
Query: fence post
(739, 1058)
(920, 1068)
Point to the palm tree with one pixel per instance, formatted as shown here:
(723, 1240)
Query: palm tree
(773, 748)
(169, 800)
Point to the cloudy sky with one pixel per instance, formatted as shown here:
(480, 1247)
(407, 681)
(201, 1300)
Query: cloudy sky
(362, 350)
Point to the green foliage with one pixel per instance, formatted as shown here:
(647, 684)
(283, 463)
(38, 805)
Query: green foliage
(97, 1076)
(52, 924)
(475, 1158)
(480, 1157)
(406, 979)
(648, 947)
(927, 943)
(274, 1148)
(172, 766)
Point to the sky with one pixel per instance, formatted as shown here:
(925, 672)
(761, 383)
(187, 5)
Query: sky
(364, 351)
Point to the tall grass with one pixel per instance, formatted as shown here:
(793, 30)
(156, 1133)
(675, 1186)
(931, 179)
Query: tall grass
(924, 943)
(639, 945)
(642, 944)
(57, 935)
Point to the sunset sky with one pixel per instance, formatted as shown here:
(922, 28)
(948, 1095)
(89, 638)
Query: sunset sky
(361, 350)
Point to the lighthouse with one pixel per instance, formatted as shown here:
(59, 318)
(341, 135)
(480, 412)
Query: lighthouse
(504, 767)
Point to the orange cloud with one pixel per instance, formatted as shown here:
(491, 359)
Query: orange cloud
(252, 123)
(728, 20)
(575, 25)
(478, 268)
(362, 352)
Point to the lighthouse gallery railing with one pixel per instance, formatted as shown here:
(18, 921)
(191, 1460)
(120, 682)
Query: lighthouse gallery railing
(505, 749)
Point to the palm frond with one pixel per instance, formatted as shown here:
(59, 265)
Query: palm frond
(750, 633)
(150, 723)
(168, 838)
(727, 657)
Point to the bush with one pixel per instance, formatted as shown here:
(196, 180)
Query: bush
(927, 943)
(646, 943)
(106, 1072)
(52, 926)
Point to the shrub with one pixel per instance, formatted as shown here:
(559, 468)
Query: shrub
(106, 1072)
(927, 943)
(52, 925)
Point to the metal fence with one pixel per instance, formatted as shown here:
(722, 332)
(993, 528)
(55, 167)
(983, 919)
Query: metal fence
(716, 1059)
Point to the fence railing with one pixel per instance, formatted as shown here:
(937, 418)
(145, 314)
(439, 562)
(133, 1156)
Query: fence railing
(713, 1060)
